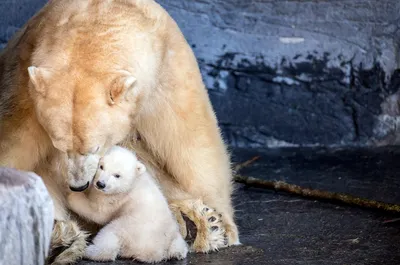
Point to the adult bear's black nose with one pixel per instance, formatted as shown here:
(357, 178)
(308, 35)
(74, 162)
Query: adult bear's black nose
(81, 188)
(101, 185)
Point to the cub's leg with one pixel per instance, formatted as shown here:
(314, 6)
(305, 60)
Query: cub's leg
(178, 248)
(79, 204)
(105, 246)
(113, 240)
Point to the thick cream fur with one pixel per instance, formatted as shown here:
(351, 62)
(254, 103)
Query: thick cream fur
(84, 75)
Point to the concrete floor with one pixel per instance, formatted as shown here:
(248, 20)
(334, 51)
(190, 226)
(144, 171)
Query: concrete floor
(279, 228)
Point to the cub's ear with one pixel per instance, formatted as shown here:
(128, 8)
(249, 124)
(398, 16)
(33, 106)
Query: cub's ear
(140, 168)
(121, 87)
(38, 77)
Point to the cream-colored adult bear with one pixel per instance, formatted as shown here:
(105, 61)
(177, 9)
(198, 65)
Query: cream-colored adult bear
(121, 193)
(84, 75)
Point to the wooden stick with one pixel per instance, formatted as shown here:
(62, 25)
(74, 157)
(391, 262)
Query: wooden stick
(391, 221)
(239, 166)
(311, 193)
(316, 194)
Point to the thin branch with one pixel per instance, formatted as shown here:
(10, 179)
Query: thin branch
(311, 193)
(316, 194)
(391, 221)
(239, 166)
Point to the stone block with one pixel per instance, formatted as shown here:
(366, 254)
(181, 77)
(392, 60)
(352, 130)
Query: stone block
(26, 218)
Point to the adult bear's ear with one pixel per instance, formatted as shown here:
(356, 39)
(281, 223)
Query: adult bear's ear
(121, 87)
(37, 76)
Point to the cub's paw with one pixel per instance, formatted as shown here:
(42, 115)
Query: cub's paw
(93, 252)
(178, 249)
(68, 243)
(105, 247)
(200, 225)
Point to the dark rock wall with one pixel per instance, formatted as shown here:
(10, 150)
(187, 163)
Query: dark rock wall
(288, 73)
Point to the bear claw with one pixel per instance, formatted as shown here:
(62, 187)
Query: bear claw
(197, 216)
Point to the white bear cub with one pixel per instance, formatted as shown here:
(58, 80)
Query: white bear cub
(126, 199)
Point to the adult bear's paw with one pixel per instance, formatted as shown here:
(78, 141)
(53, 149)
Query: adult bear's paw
(68, 243)
(201, 226)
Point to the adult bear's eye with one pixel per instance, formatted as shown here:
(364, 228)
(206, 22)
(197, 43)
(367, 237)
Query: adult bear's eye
(101, 167)
(117, 176)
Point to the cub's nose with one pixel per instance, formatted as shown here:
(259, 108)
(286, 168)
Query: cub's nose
(100, 185)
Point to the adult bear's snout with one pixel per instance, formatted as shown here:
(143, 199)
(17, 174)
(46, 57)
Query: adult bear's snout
(81, 188)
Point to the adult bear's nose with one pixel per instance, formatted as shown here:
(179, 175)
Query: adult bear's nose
(101, 185)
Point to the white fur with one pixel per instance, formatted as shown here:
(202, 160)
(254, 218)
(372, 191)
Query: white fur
(139, 223)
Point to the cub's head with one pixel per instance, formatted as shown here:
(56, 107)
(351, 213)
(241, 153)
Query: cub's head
(84, 113)
(117, 171)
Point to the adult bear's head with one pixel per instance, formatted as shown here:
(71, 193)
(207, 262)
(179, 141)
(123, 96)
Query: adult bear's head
(84, 113)
(92, 65)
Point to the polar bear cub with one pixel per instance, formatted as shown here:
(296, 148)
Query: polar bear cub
(138, 222)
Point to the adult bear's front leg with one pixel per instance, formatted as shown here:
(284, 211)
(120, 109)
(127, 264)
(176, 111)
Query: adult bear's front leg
(68, 243)
(179, 130)
(204, 227)
(200, 225)
(194, 172)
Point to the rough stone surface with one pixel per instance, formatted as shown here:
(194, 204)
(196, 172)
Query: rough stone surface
(288, 72)
(26, 219)
(297, 72)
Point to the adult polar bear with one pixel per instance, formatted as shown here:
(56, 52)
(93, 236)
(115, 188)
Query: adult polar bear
(83, 75)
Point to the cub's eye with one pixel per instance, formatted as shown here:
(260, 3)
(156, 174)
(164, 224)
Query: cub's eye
(117, 176)
(101, 167)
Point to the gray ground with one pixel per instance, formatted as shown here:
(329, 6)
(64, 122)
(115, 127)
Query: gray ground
(282, 229)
